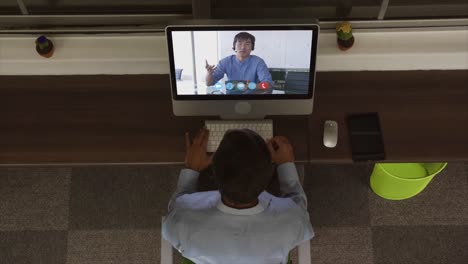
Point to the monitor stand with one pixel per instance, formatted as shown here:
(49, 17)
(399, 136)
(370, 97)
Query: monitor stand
(243, 110)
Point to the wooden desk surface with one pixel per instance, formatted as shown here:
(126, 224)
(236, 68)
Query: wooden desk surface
(102, 119)
(423, 114)
(128, 119)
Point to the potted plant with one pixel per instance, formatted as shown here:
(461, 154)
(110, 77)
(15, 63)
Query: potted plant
(44, 47)
(345, 38)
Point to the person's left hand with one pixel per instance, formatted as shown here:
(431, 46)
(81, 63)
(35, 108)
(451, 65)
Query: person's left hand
(196, 157)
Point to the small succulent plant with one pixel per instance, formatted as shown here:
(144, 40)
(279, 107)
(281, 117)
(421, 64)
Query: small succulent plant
(345, 36)
(44, 47)
(344, 31)
(42, 42)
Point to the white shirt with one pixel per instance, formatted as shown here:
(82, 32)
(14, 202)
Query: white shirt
(206, 231)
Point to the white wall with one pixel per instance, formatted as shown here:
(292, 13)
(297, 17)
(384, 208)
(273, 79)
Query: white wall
(182, 44)
(279, 49)
(206, 44)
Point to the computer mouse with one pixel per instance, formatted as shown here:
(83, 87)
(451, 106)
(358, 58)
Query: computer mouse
(330, 133)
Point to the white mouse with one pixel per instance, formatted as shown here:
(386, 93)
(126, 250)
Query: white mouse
(330, 133)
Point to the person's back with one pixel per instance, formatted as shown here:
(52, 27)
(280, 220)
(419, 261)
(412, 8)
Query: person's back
(240, 223)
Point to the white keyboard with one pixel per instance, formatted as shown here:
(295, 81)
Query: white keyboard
(217, 129)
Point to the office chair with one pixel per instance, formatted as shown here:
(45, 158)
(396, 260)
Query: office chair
(278, 77)
(296, 82)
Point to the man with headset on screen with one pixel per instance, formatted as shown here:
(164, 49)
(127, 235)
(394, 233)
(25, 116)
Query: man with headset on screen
(249, 73)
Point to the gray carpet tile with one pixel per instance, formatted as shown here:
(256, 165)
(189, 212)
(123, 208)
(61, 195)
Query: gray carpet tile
(420, 244)
(342, 245)
(120, 197)
(337, 195)
(443, 202)
(26, 247)
(114, 246)
(34, 198)
(113, 214)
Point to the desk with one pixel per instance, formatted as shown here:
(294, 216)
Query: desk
(128, 119)
(102, 119)
(423, 114)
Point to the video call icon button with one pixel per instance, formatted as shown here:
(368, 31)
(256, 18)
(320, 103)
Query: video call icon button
(229, 86)
(264, 85)
(240, 86)
(252, 85)
(218, 86)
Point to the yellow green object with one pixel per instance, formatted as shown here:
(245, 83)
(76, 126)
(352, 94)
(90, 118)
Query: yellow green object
(187, 261)
(344, 30)
(398, 181)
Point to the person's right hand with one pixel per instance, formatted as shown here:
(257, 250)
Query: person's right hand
(209, 68)
(281, 150)
(196, 157)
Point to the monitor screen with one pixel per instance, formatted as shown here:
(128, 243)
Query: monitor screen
(242, 62)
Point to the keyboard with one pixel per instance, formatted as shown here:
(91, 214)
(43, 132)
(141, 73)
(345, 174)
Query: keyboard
(217, 129)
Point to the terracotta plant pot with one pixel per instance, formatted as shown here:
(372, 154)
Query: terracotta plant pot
(345, 44)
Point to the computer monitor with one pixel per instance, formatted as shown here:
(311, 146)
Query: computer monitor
(242, 69)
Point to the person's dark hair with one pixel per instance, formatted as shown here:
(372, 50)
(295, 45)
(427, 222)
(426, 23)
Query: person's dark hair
(243, 36)
(242, 165)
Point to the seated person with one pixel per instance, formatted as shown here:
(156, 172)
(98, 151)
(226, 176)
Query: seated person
(242, 66)
(240, 223)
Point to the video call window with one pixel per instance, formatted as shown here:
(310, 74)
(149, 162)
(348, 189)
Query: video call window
(242, 62)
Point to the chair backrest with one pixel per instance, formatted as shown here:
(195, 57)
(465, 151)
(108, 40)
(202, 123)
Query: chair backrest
(278, 75)
(296, 82)
(166, 248)
(178, 74)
